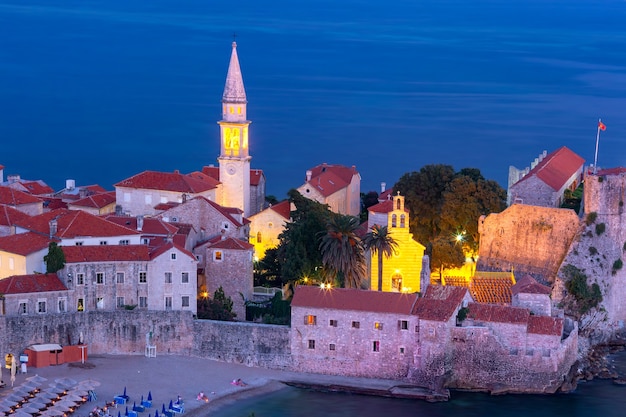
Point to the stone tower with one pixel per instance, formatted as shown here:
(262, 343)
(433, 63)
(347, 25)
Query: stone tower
(234, 159)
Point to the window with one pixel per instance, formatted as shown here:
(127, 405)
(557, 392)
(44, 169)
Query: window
(310, 320)
(168, 277)
(175, 219)
(402, 350)
(403, 325)
(62, 304)
(333, 323)
(173, 256)
(145, 241)
(356, 324)
(378, 325)
(394, 220)
(99, 277)
(185, 301)
(331, 346)
(22, 308)
(168, 303)
(396, 282)
(79, 243)
(80, 279)
(376, 346)
(103, 242)
(11, 264)
(100, 303)
(119, 302)
(398, 204)
(143, 277)
(185, 278)
(402, 218)
(217, 256)
(143, 302)
(119, 277)
(124, 242)
(80, 305)
(258, 237)
(311, 344)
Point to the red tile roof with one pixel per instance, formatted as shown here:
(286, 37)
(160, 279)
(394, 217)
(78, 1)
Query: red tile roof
(283, 209)
(328, 179)
(611, 171)
(439, 302)
(498, 313)
(528, 285)
(556, 168)
(97, 201)
(24, 243)
(384, 207)
(105, 253)
(33, 187)
(13, 197)
(24, 284)
(159, 250)
(53, 203)
(75, 223)
(354, 300)
(204, 177)
(9, 215)
(151, 225)
(232, 244)
(225, 211)
(167, 206)
(385, 195)
(545, 325)
(214, 172)
(167, 181)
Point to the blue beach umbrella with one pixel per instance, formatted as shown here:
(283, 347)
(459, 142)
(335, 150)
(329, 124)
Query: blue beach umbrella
(156, 413)
(150, 396)
(126, 414)
(171, 404)
(119, 413)
(163, 408)
(124, 392)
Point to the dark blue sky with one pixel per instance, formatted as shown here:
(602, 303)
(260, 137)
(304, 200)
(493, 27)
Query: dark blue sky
(101, 90)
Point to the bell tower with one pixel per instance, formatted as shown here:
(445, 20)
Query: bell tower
(234, 159)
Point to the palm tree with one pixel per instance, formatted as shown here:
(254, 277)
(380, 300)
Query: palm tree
(380, 241)
(342, 251)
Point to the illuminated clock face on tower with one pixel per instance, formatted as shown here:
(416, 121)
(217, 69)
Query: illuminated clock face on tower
(231, 169)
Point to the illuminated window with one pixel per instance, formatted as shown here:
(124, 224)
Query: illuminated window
(398, 204)
(394, 220)
(310, 320)
(258, 237)
(231, 109)
(402, 218)
(356, 324)
(217, 256)
(378, 325)
(238, 109)
(403, 325)
(333, 323)
(396, 282)
(80, 305)
(376, 346)
(100, 303)
(311, 344)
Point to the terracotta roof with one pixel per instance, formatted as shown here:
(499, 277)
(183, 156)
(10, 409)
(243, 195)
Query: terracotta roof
(328, 179)
(151, 225)
(283, 209)
(528, 285)
(498, 313)
(492, 290)
(37, 187)
(13, 197)
(167, 206)
(214, 172)
(9, 215)
(155, 242)
(354, 300)
(84, 190)
(232, 244)
(611, 171)
(24, 243)
(385, 195)
(96, 200)
(439, 302)
(545, 325)
(105, 253)
(53, 203)
(159, 250)
(24, 284)
(168, 181)
(75, 223)
(556, 168)
(204, 177)
(384, 207)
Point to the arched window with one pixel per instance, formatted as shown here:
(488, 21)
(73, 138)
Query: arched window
(396, 282)
(394, 220)
(398, 204)
(258, 237)
(402, 217)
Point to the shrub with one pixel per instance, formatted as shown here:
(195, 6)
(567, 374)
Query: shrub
(593, 251)
(600, 228)
(462, 315)
(617, 265)
(586, 297)
(591, 218)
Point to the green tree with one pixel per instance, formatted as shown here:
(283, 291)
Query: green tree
(55, 259)
(447, 253)
(342, 251)
(220, 307)
(367, 200)
(380, 242)
(298, 251)
(267, 270)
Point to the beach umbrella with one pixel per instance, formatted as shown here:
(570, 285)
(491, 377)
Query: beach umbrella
(171, 404)
(66, 382)
(73, 398)
(88, 384)
(20, 413)
(163, 408)
(126, 414)
(36, 379)
(30, 409)
(7, 405)
(13, 370)
(119, 413)
(149, 395)
(51, 412)
(124, 395)
(156, 413)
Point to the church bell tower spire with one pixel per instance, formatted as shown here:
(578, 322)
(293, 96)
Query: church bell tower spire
(234, 159)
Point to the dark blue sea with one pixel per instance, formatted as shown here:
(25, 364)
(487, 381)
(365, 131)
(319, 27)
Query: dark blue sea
(99, 90)
(598, 398)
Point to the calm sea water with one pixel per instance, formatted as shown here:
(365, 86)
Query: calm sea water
(99, 90)
(591, 399)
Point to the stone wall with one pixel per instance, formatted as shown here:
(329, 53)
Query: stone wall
(531, 240)
(173, 332)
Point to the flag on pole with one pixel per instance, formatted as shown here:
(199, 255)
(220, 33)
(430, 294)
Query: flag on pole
(601, 125)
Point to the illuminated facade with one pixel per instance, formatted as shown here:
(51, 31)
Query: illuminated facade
(234, 159)
(402, 271)
(267, 225)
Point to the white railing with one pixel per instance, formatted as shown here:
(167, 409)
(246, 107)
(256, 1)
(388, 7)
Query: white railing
(265, 291)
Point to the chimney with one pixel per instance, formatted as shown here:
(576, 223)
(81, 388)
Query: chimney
(176, 171)
(1, 174)
(140, 223)
(169, 238)
(70, 184)
(309, 174)
(383, 186)
(53, 227)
